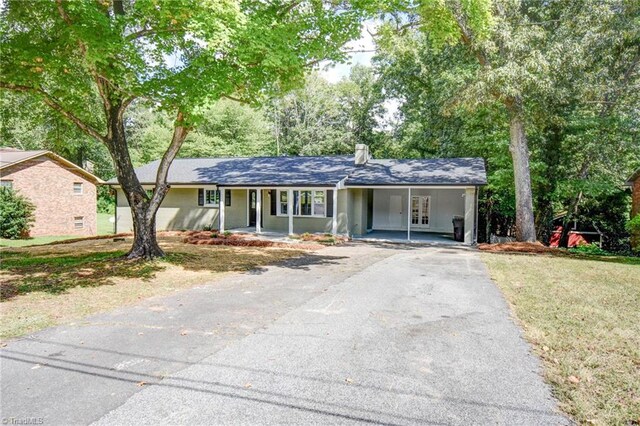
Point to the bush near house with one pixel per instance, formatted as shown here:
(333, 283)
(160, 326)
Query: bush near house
(16, 214)
(633, 226)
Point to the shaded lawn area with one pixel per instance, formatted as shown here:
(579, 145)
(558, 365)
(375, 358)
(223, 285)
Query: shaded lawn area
(583, 318)
(48, 285)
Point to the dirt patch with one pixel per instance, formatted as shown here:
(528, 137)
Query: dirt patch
(519, 247)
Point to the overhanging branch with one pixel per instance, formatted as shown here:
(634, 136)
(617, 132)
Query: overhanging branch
(54, 104)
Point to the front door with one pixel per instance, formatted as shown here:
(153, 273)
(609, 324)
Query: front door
(253, 199)
(395, 212)
(420, 211)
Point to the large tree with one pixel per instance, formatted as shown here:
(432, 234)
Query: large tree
(81, 56)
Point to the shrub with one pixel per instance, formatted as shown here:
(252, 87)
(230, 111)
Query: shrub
(633, 226)
(16, 214)
(591, 249)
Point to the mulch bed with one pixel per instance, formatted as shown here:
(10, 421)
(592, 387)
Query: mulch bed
(238, 240)
(517, 247)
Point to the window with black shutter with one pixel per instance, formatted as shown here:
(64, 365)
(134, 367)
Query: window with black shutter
(273, 201)
(329, 202)
(201, 196)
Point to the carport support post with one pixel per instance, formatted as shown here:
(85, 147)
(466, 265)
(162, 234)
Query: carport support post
(258, 210)
(469, 214)
(289, 209)
(334, 222)
(221, 203)
(409, 215)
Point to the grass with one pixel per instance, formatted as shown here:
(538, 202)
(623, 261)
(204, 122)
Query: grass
(49, 285)
(104, 228)
(582, 317)
(35, 241)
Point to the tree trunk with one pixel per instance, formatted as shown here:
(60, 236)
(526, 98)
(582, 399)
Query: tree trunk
(525, 226)
(145, 244)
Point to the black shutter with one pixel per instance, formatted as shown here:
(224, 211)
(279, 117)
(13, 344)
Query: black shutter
(200, 197)
(329, 203)
(227, 197)
(274, 202)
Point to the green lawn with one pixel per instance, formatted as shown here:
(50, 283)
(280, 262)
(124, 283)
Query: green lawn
(582, 317)
(34, 241)
(104, 227)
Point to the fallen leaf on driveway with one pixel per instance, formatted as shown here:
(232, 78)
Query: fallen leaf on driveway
(140, 384)
(348, 380)
(183, 333)
(248, 386)
(573, 379)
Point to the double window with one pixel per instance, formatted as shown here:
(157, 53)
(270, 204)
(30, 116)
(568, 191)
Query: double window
(304, 203)
(211, 197)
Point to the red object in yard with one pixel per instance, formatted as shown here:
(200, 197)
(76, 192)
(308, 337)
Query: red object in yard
(576, 238)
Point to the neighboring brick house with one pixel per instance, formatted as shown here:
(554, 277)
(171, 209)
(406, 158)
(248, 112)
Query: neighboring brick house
(634, 183)
(64, 194)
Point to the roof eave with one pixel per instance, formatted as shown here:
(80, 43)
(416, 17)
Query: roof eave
(63, 160)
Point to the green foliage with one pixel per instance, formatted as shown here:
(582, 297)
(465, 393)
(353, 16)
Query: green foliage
(16, 214)
(106, 200)
(323, 118)
(633, 225)
(441, 22)
(589, 249)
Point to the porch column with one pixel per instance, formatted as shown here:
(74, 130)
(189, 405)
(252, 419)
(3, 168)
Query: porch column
(334, 222)
(469, 214)
(248, 208)
(289, 209)
(409, 215)
(258, 210)
(221, 203)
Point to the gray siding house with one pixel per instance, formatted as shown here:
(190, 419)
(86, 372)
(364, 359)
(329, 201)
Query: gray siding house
(346, 195)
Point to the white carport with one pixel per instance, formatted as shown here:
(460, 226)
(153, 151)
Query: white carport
(417, 210)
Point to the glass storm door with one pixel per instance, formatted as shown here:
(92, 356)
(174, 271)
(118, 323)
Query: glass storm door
(420, 211)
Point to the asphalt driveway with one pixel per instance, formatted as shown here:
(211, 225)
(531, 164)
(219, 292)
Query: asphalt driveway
(353, 334)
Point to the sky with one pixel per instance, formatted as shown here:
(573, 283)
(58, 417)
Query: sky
(335, 72)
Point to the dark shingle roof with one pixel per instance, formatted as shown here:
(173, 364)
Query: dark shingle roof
(317, 171)
(435, 171)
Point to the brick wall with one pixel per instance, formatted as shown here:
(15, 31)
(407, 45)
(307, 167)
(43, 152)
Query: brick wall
(49, 185)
